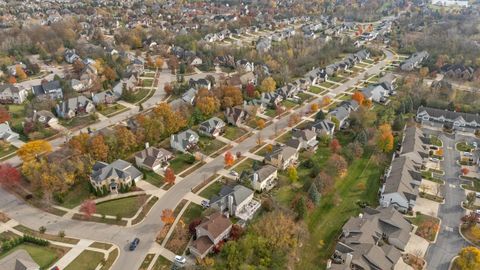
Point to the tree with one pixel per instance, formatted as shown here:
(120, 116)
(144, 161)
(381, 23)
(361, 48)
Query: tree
(268, 85)
(314, 194)
(358, 97)
(320, 115)
(168, 89)
(294, 119)
(167, 216)
(292, 174)
(172, 120)
(207, 105)
(9, 175)
(367, 103)
(471, 197)
(336, 165)
(20, 72)
(301, 208)
(159, 63)
(230, 96)
(326, 100)
(88, 208)
(170, 176)
(11, 80)
(314, 107)
(468, 258)
(385, 138)
(236, 232)
(261, 123)
(335, 146)
(4, 115)
(99, 150)
(109, 74)
(32, 149)
(465, 171)
(423, 72)
(250, 90)
(229, 159)
(125, 141)
(79, 143)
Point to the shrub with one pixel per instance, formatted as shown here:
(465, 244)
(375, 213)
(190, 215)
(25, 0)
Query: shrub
(42, 229)
(61, 234)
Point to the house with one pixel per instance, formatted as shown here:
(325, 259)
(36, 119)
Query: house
(200, 83)
(12, 94)
(112, 177)
(254, 105)
(264, 178)
(376, 93)
(316, 76)
(225, 60)
(288, 91)
(77, 85)
(467, 122)
(74, 106)
(282, 157)
(213, 127)
(339, 114)
(18, 260)
(374, 239)
(263, 45)
(245, 65)
(195, 61)
(104, 97)
(46, 118)
(128, 84)
(307, 139)
(235, 115)
(248, 78)
(237, 201)
(6, 133)
(184, 141)
(152, 158)
(388, 82)
(414, 61)
(449, 3)
(71, 56)
(51, 89)
(322, 127)
(214, 229)
(458, 71)
(271, 99)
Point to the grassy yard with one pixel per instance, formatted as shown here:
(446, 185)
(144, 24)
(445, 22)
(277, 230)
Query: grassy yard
(467, 232)
(43, 256)
(316, 90)
(17, 114)
(147, 261)
(326, 221)
(153, 178)
(162, 264)
(112, 109)
(211, 190)
(232, 133)
(474, 185)
(46, 236)
(289, 104)
(464, 147)
(285, 137)
(7, 150)
(428, 226)
(434, 140)
(304, 97)
(270, 112)
(209, 145)
(87, 260)
(192, 212)
(327, 84)
(76, 195)
(147, 82)
(139, 95)
(181, 162)
(78, 121)
(124, 207)
(245, 165)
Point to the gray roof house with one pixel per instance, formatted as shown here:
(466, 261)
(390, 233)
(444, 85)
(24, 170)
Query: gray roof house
(341, 114)
(200, 83)
(264, 178)
(47, 118)
(321, 127)
(114, 175)
(104, 97)
(282, 157)
(307, 139)
(51, 89)
(184, 141)
(213, 127)
(373, 240)
(18, 260)
(376, 93)
(237, 201)
(153, 158)
(467, 122)
(414, 61)
(271, 99)
(6, 133)
(74, 106)
(12, 94)
(189, 96)
(235, 115)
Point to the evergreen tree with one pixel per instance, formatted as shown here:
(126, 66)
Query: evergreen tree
(301, 208)
(314, 194)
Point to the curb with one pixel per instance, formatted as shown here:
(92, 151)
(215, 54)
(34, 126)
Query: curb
(451, 262)
(464, 238)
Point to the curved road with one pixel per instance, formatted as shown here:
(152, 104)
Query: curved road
(147, 230)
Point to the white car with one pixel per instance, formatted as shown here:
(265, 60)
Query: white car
(435, 159)
(180, 259)
(477, 194)
(234, 173)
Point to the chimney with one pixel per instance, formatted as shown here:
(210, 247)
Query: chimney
(147, 145)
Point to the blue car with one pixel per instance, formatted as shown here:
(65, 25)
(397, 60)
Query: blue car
(134, 244)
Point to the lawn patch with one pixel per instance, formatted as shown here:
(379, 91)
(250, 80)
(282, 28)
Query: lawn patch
(79, 121)
(467, 232)
(45, 236)
(76, 195)
(111, 110)
(232, 133)
(464, 147)
(245, 165)
(145, 210)
(181, 162)
(43, 256)
(87, 260)
(316, 90)
(428, 226)
(124, 207)
(153, 178)
(162, 264)
(147, 261)
(211, 190)
(209, 145)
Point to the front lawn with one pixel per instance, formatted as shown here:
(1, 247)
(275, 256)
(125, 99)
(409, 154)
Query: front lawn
(123, 207)
(111, 110)
(244, 165)
(327, 84)
(162, 264)
(153, 178)
(232, 133)
(284, 138)
(87, 260)
(181, 162)
(138, 95)
(43, 256)
(147, 261)
(180, 236)
(315, 89)
(46, 236)
(474, 184)
(428, 226)
(7, 150)
(147, 82)
(192, 212)
(289, 104)
(208, 145)
(467, 231)
(76, 195)
(79, 121)
(213, 189)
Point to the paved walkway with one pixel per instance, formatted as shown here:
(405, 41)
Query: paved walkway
(225, 140)
(73, 253)
(194, 198)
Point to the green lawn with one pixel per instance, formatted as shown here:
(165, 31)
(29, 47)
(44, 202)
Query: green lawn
(43, 256)
(153, 178)
(289, 104)
(181, 162)
(244, 165)
(316, 90)
(474, 185)
(87, 260)
(284, 138)
(147, 261)
(17, 114)
(232, 133)
(209, 145)
(138, 95)
(434, 140)
(326, 221)
(162, 264)
(192, 212)
(304, 97)
(76, 195)
(124, 207)
(112, 109)
(147, 82)
(78, 121)
(211, 190)
(327, 84)
(464, 147)
(270, 112)
(46, 236)
(6, 151)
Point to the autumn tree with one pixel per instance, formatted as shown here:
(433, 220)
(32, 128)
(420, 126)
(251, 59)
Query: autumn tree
(9, 175)
(325, 183)
(11, 80)
(335, 146)
(236, 232)
(261, 123)
(170, 176)
(468, 258)
(268, 85)
(294, 119)
(326, 100)
(358, 97)
(314, 107)
(367, 103)
(385, 138)
(78, 66)
(423, 71)
(250, 90)
(20, 72)
(336, 165)
(207, 103)
(4, 115)
(168, 89)
(292, 174)
(109, 74)
(98, 149)
(172, 121)
(88, 208)
(465, 171)
(229, 159)
(159, 63)
(229, 96)
(167, 216)
(32, 149)
(471, 197)
(123, 141)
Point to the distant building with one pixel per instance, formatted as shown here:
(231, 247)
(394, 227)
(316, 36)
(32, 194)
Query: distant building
(449, 3)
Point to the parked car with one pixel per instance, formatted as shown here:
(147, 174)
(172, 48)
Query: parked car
(205, 204)
(435, 159)
(55, 268)
(134, 244)
(180, 259)
(474, 144)
(234, 173)
(477, 194)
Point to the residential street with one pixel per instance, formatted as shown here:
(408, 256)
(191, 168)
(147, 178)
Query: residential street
(147, 230)
(449, 242)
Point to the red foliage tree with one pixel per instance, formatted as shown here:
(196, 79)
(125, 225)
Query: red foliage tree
(229, 159)
(4, 115)
(335, 146)
(236, 232)
(88, 208)
(250, 90)
(193, 225)
(170, 176)
(9, 175)
(465, 171)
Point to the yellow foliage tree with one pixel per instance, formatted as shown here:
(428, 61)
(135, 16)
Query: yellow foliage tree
(20, 72)
(268, 85)
(31, 150)
(468, 258)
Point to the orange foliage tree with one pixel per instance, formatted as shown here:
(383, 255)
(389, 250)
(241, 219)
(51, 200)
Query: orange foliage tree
(170, 176)
(358, 97)
(229, 159)
(167, 216)
(385, 138)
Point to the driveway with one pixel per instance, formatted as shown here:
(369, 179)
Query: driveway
(417, 245)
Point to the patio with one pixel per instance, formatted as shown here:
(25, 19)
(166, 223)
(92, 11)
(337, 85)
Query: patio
(249, 210)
